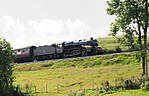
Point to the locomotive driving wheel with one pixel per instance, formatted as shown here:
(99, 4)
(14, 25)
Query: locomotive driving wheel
(83, 52)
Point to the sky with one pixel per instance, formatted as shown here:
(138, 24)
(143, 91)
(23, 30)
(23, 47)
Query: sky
(43, 22)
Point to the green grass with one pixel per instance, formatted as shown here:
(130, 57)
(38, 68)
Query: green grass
(137, 92)
(132, 92)
(68, 75)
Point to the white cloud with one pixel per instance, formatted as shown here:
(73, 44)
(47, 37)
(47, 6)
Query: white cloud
(45, 31)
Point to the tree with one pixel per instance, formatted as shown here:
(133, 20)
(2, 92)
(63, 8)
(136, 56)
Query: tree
(6, 59)
(132, 21)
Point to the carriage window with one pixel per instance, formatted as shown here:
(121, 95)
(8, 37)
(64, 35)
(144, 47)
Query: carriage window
(18, 50)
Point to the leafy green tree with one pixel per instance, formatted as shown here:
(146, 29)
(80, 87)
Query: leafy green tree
(131, 20)
(6, 59)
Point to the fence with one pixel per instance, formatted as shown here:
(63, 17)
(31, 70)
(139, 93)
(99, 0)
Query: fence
(58, 90)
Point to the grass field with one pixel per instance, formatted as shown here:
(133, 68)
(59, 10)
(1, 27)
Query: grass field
(62, 77)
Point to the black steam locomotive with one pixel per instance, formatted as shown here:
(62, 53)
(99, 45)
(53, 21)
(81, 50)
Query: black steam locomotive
(66, 49)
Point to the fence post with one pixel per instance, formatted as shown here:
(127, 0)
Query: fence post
(46, 88)
(57, 89)
(97, 90)
(35, 88)
(93, 84)
(84, 93)
(80, 86)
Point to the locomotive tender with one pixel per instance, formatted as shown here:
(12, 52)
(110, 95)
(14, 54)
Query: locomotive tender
(66, 49)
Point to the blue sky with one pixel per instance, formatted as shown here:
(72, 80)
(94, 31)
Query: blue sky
(39, 22)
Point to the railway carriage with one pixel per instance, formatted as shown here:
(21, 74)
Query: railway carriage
(24, 54)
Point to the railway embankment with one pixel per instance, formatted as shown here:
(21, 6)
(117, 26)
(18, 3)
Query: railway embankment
(79, 76)
(95, 61)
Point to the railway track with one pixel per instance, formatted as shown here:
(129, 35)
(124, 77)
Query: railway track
(69, 58)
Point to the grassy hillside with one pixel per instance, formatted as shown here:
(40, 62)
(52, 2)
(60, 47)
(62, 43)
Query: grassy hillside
(63, 77)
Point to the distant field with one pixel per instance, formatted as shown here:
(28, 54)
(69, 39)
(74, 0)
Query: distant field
(62, 77)
(110, 43)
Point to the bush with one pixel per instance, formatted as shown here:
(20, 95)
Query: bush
(6, 60)
(118, 49)
(132, 83)
(77, 93)
(145, 85)
(14, 91)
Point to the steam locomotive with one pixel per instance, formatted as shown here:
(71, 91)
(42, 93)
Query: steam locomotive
(63, 50)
